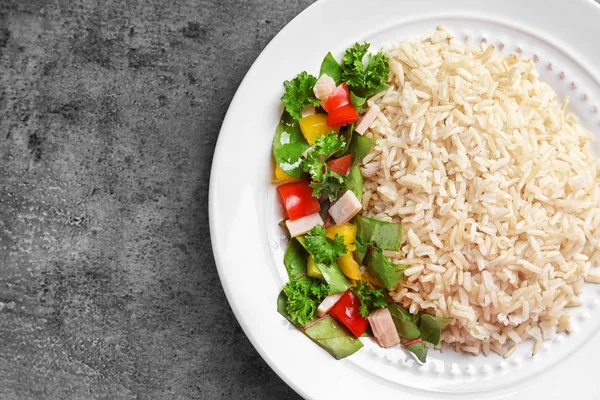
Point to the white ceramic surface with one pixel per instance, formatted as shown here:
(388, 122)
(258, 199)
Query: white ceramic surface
(244, 210)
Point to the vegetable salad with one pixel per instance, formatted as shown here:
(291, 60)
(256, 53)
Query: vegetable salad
(339, 274)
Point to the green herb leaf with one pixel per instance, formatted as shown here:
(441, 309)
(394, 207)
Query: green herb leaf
(333, 337)
(431, 327)
(325, 182)
(346, 133)
(332, 68)
(295, 259)
(288, 146)
(386, 235)
(365, 81)
(330, 187)
(334, 277)
(369, 297)
(354, 69)
(322, 249)
(355, 182)
(303, 297)
(387, 272)
(299, 94)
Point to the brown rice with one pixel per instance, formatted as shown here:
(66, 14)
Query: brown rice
(497, 189)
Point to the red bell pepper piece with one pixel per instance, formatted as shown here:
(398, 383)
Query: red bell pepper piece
(343, 115)
(297, 199)
(347, 311)
(340, 110)
(338, 98)
(341, 165)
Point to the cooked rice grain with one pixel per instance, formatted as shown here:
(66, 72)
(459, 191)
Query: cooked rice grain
(497, 189)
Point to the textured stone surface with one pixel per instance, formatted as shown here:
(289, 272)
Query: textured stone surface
(109, 113)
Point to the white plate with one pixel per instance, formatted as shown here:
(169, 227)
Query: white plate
(244, 211)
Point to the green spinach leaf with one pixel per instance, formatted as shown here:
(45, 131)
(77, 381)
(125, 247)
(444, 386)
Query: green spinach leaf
(333, 337)
(431, 327)
(387, 272)
(357, 101)
(359, 147)
(419, 350)
(334, 277)
(355, 182)
(386, 235)
(288, 146)
(332, 68)
(405, 325)
(327, 333)
(295, 259)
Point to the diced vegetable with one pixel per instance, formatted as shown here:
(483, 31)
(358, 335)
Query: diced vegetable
(331, 67)
(282, 177)
(385, 235)
(313, 126)
(346, 230)
(339, 109)
(312, 270)
(302, 225)
(383, 327)
(334, 277)
(343, 115)
(289, 145)
(338, 98)
(324, 87)
(299, 94)
(387, 272)
(308, 110)
(349, 266)
(326, 304)
(297, 199)
(347, 311)
(341, 165)
(345, 208)
(367, 120)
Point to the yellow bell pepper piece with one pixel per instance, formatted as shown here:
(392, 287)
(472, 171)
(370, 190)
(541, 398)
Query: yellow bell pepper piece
(347, 230)
(282, 177)
(349, 266)
(312, 270)
(315, 125)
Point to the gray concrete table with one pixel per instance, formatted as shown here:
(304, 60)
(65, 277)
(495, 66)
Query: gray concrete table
(109, 114)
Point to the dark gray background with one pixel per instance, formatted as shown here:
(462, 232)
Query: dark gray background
(109, 114)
